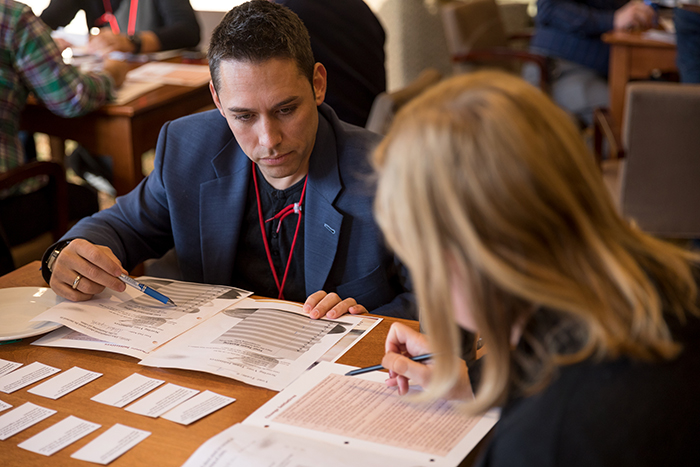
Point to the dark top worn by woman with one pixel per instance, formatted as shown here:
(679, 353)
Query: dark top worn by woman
(612, 413)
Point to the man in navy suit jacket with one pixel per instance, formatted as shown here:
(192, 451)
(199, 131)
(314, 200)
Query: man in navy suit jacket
(275, 196)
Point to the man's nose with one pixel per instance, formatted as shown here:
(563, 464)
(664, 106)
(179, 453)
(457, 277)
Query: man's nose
(270, 135)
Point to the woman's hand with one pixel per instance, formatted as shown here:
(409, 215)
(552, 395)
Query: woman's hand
(402, 343)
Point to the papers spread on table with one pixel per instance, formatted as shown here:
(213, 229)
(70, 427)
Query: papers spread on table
(181, 74)
(265, 343)
(130, 90)
(25, 376)
(139, 322)
(363, 423)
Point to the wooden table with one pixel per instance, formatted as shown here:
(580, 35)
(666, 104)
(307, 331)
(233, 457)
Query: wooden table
(633, 56)
(169, 444)
(123, 132)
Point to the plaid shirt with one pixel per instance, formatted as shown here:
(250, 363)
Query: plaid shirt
(31, 62)
(571, 29)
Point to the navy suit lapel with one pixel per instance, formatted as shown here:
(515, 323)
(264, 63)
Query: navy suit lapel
(322, 221)
(222, 206)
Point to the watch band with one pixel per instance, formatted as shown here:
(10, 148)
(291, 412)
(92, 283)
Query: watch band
(136, 42)
(49, 259)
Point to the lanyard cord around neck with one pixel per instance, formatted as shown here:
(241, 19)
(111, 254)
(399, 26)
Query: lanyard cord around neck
(294, 208)
(133, 10)
(109, 17)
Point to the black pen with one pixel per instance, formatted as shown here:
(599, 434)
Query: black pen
(359, 371)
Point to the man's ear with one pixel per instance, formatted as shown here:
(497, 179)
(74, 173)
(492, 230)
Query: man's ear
(319, 83)
(215, 97)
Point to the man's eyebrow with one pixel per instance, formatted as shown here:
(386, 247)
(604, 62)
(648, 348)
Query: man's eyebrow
(282, 103)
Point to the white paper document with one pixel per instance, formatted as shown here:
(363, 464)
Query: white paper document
(127, 390)
(111, 444)
(4, 406)
(363, 418)
(68, 338)
(7, 366)
(160, 401)
(64, 383)
(21, 418)
(181, 74)
(266, 343)
(140, 322)
(199, 406)
(25, 376)
(58, 436)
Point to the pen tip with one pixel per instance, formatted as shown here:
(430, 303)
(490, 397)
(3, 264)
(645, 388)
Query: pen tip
(170, 302)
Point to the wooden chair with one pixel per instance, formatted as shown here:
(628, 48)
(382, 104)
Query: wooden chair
(386, 104)
(654, 168)
(476, 37)
(57, 181)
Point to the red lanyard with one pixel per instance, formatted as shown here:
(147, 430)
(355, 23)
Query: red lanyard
(294, 208)
(109, 17)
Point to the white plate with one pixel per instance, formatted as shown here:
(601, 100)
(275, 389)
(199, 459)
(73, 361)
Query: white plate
(20, 304)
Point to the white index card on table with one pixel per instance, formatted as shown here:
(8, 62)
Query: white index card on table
(199, 406)
(127, 390)
(111, 444)
(25, 376)
(64, 383)
(7, 366)
(162, 400)
(21, 418)
(56, 437)
(4, 406)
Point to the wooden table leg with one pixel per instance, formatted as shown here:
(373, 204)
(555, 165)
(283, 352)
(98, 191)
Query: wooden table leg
(124, 151)
(617, 81)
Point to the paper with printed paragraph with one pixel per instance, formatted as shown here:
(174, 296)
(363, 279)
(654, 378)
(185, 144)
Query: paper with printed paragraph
(53, 439)
(68, 381)
(30, 374)
(21, 418)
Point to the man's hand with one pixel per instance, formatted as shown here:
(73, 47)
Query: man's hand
(320, 304)
(96, 266)
(402, 343)
(634, 15)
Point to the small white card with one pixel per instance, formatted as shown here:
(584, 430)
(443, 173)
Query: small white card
(64, 383)
(21, 418)
(111, 444)
(25, 376)
(156, 404)
(127, 390)
(4, 406)
(53, 439)
(7, 366)
(199, 406)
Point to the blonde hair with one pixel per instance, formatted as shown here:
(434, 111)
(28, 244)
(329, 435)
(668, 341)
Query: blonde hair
(485, 177)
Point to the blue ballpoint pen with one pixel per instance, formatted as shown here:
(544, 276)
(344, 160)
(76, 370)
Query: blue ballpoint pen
(360, 371)
(146, 289)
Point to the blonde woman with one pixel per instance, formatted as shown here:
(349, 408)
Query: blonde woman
(488, 194)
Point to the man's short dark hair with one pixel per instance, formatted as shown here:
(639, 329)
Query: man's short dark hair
(257, 31)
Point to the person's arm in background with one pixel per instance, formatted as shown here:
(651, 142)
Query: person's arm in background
(63, 89)
(60, 12)
(580, 18)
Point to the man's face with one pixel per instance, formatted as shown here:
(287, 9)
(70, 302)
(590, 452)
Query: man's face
(271, 110)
